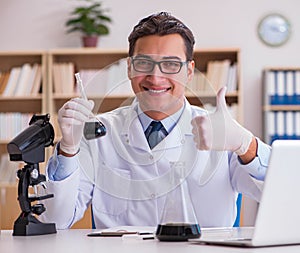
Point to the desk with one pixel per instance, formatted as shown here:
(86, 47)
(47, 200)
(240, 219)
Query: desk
(75, 241)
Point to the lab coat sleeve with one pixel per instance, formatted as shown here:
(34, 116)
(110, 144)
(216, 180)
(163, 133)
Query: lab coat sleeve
(258, 167)
(72, 195)
(248, 178)
(61, 208)
(60, 167)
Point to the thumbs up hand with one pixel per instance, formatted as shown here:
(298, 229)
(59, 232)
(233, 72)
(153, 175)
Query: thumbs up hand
(219, 131)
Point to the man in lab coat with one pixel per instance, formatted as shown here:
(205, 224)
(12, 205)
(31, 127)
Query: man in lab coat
(126, 177)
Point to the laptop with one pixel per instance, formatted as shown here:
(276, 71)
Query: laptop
(278, 215)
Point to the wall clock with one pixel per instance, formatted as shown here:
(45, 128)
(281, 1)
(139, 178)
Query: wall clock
(274, 30)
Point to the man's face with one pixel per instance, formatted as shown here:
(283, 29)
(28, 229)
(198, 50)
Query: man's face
(160, 94)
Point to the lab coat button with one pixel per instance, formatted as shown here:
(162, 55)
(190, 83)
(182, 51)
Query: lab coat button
(151, 157)
(182, 141)
(152, 195)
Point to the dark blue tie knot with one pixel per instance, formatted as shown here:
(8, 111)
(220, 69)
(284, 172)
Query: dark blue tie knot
(155, 126)
(153, 133)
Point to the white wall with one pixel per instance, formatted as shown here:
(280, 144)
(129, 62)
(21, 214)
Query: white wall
(39, 24)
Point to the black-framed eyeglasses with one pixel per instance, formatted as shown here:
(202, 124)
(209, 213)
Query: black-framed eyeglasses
(165, 66)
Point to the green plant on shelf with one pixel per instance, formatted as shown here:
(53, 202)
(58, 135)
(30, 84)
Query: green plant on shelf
(91, 19)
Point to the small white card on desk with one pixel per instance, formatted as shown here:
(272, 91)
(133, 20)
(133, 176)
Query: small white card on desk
(124, 230)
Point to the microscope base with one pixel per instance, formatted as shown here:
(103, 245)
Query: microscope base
(29, 225)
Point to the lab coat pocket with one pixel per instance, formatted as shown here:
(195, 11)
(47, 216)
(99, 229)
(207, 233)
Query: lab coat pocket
(111, 195)
(108, 204)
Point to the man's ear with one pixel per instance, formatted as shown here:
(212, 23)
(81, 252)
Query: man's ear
(129, 68)
(190, 72)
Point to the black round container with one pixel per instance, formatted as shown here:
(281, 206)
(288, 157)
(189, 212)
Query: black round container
(177, 232)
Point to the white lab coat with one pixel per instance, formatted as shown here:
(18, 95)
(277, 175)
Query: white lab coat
(127, 183)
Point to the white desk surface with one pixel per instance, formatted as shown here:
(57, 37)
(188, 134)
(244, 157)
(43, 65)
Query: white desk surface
(76, 240)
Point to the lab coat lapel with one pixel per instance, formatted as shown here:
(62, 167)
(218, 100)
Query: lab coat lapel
(132, 132)
(180, 132)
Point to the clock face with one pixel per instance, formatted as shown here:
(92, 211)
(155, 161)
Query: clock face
(274, 30)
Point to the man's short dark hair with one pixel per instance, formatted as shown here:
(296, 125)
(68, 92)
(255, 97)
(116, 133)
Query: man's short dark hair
(161, 24)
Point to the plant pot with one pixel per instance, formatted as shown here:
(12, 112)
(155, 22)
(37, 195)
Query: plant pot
(90, 41)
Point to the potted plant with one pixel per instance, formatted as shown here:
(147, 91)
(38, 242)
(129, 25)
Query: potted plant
(91, 21)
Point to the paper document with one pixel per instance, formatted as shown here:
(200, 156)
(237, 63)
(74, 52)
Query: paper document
(123, 230)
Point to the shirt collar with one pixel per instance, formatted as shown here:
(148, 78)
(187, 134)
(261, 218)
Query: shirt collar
(168, 123)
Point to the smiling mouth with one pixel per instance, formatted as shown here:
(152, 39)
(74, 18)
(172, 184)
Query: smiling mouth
(157, 91)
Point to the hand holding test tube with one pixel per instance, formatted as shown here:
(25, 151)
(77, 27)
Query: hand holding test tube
(92, 129)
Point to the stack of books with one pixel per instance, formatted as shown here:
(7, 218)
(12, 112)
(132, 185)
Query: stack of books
(21, 81)
(8, 169)
(218, 74)
(222, 73)
(12, 123)
(281, 100)
(282, 87)
(282, 125)
(109, 81)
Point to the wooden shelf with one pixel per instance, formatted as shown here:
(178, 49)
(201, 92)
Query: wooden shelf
(21, 104)
(9, 205)
(94, 58)
(10, 209)
(281, 108)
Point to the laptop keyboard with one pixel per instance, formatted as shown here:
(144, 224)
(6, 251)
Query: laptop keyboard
(236, 233)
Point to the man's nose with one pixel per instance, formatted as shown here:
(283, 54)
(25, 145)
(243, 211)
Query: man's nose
(156, 71)
(156, 75)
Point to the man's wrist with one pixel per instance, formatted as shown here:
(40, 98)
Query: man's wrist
(247, 138)
(251, 152)
(66, 154)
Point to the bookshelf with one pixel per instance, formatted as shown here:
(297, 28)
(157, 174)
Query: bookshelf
(281, 103)
(82, 59)
(27, 104)
(203, 58)
(49, 100)
(10, 106)
(109, 98)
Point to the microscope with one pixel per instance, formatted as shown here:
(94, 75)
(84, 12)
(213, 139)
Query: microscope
(29, 146)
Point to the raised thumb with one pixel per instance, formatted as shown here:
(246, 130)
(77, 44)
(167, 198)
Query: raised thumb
(221, 102)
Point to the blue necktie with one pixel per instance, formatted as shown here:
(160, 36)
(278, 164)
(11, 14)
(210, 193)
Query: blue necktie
(152, 133)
